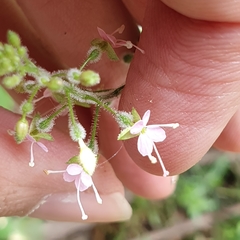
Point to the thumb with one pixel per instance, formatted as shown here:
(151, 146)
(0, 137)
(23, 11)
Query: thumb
(28, 191)
(189, 74)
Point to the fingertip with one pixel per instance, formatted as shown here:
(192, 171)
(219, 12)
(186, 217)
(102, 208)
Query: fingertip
(64, 207)
(229, 138)
(213, 10)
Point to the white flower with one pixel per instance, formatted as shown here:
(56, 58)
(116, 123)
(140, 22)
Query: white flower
(148, 136)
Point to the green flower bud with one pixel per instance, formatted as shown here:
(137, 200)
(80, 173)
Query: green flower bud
(21, 130)
(94, 54)
(13, 39)
(124, 119)
(89, 78)
(9, 51)
(27, 107)
(55, 84)
(43, 80)
(5, 66)
(22, 52)
(73, 75)
(11, 82)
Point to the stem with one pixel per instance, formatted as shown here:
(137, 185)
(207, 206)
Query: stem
(70, 108)
(55, 114)
(43, 124)
(30, 99)
(94, 127)
(101, 104)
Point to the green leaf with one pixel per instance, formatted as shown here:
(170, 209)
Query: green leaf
(136, 116)
(106, 47)
(125, 134)
(74, 159)
(46, 136)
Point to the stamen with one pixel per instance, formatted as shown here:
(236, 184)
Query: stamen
(51, 171)
(31, 163)
(99, 200)
(84, 216)
(119, 30)
(171, 125)
(165, 172)
(129, 45)
(152, 159)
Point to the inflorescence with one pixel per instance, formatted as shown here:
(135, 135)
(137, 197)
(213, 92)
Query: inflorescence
(69, 89)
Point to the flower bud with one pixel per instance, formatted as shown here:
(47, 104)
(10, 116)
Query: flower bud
(5, 66)
(88, 160)
(26, 107)
(55, 84)
(77, 131)
(124, 119)
(13, 39)
(22, 51)
(73, 75)
(94, 54)
(45, 124)
(9, 51)
(11, 82)
(21, 130)
(89, 78)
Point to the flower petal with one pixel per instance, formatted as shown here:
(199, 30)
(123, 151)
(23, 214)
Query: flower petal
(107, 37)
(156, 133)
(80, 185)
(146, 117)
(145, 145)
(137, 127)
(74, 169)
(68, 178)
(86, 179)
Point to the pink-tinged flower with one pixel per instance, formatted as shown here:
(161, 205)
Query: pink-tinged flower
(33, 141)
(82, 180)
(116, 43)
(148, 136)
(41, 145)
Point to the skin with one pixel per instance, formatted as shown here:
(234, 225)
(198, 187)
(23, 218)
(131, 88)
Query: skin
(189, 74)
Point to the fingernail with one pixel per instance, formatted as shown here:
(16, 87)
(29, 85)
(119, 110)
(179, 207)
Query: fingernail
(174, 179)
(59, 207)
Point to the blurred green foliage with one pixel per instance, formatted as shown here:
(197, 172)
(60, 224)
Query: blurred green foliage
(20, 229)
(202, 189)
(5, 99)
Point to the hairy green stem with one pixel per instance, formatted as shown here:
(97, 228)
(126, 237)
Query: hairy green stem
(51, 117)
(94, 127)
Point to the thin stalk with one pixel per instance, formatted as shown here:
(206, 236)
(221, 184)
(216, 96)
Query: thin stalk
(70, 109)
(30, 99)
(94, 127)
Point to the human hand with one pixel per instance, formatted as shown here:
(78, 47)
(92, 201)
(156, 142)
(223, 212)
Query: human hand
(165, 61)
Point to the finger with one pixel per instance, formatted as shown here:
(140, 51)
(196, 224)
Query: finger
(133, 177)
(136, 8)
(66, 30)
(229, 138)
(214, 10)
(26, 190)
(190, 75)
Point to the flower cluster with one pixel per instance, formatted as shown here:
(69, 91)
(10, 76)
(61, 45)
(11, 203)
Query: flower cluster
(69, 89)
